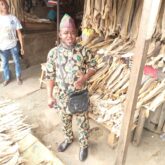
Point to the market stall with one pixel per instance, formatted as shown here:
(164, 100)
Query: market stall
(110, 30)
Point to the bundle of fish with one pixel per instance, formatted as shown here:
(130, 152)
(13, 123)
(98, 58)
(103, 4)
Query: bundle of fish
(116, 24)
(9, 151)
(156, 53)
(12, 130)
(28, 17)
(113, 17)
(152, 94)
(158, 61)
(108, 88)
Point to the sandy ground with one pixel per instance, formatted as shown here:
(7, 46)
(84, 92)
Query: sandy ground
(47, 127)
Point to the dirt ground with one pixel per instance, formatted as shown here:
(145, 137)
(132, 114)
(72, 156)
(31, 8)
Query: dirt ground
(47, 127)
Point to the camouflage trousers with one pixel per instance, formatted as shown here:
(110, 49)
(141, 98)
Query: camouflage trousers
(82, 123)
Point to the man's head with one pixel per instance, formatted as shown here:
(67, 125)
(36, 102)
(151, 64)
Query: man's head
(4, 7)
(67, 31)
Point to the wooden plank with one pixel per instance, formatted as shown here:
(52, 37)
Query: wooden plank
(161, 119)
(156, 116)
(153, 120)
(112, 140)
(141, 48)
(139, 128)
(164, 128)
(149, 125)
(58, 21)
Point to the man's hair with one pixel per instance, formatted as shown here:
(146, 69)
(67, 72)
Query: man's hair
(5, 2)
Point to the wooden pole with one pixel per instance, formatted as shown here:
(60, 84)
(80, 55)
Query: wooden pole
(58, 21)
(140, 52)
(16, 8)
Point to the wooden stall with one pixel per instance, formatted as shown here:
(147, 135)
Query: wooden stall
(126, 88)
(128, 39)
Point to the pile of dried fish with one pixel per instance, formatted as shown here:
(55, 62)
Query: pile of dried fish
(116, 25)
(113, 17)
(12, 130)
(109, 87)
(153, 96)
(156, 56)
(9, 151)
(108, 104)
(158, 61)
(35, 19)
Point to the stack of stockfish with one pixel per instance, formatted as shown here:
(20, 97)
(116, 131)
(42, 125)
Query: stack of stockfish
(35, 19)
(116, 25)
(114, 20)
(156, 55)
(109, 87)
(12, 130)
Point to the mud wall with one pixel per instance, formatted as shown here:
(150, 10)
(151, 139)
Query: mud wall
(37, 46)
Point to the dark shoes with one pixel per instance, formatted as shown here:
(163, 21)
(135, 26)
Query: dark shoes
(6, 82)
(63, 146)
(83, 154)
(19, 81)
(83, 151)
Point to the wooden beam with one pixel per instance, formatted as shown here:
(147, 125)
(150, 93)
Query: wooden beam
(58, 21)
(140, 52)
(139, 128)
(162, 119)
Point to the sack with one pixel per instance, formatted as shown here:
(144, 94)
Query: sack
(78, 102)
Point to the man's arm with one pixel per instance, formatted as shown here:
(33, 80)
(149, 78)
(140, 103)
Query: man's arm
(20, 38)
(50, 76)
(84, 77)
(91, 65)
(50, 86)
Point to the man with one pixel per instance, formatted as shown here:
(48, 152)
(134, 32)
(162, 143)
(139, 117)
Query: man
(77, 65)
(9, 31)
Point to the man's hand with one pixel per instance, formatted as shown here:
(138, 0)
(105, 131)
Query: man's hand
(81, 80)
(22, 51)
(51, 102)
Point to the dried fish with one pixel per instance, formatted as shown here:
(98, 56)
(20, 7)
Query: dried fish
(12, 129)
(156, 102)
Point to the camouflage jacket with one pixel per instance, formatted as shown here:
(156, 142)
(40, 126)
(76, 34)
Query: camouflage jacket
(71, 61)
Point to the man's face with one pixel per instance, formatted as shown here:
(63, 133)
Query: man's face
(68, 36)
(3, 7)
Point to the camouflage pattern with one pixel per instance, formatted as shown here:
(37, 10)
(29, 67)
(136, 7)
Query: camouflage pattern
(83, 127)
(72, 61)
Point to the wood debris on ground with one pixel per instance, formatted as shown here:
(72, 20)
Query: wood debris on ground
(12, 130)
